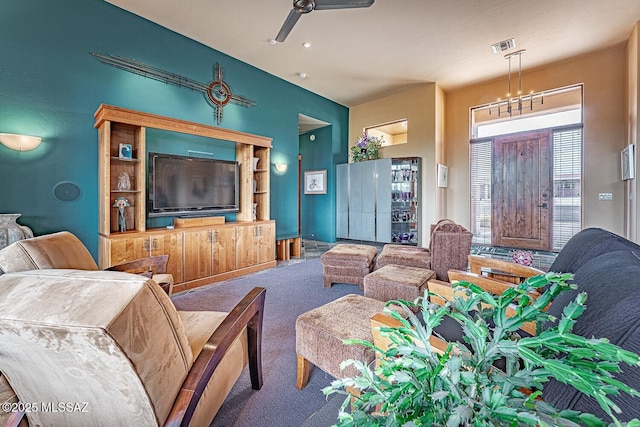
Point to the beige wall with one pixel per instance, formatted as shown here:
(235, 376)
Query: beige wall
(439, 132)
(422, 106)
(603, 74)
(633, 92)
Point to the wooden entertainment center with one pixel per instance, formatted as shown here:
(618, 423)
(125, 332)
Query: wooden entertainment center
(201, 250)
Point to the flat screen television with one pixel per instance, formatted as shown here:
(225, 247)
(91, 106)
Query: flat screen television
(191, 186)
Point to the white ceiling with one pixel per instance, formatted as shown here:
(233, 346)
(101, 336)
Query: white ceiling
(358, 55)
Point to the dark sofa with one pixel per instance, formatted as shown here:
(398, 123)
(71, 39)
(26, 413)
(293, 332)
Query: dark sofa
(607, 267)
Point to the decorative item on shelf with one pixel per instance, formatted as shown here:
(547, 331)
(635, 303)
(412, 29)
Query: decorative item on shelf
(19, 142)
(124, 182)
(255, 163)
(366, 148)
(255, 211)
(522, 257)
(120, 203)
(125, 151)
(11, 231)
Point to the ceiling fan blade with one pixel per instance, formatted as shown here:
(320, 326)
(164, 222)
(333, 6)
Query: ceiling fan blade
(341, 4)
(291, 20)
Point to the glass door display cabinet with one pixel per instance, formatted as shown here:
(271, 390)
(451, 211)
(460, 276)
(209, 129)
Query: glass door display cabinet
(405, 214)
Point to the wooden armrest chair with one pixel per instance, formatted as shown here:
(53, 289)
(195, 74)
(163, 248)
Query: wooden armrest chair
(505, 271)
(135, 360)
(65, 250)
(154, 267)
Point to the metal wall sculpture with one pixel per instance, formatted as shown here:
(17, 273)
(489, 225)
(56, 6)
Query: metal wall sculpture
(217, 92)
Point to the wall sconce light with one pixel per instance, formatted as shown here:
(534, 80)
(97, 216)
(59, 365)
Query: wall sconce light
(20, 142)
(281, 167)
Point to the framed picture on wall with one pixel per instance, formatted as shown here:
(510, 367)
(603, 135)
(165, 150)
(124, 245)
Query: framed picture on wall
(315, 182)
(443, 176)
(627, 163)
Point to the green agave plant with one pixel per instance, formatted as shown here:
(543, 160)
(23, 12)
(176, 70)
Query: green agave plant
(415, 386)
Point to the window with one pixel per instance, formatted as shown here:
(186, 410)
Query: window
(392, 133)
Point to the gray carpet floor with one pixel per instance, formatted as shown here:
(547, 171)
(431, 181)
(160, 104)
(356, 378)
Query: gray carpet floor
(291, 290)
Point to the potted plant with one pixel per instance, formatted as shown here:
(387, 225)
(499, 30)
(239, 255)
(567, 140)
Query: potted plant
(367, 147)
(413, 385)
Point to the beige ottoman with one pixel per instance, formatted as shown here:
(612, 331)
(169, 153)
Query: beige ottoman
(393, 282)
(411, 256)
(319, 335)
(347, 263)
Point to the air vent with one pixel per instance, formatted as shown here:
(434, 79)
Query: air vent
(503, 45)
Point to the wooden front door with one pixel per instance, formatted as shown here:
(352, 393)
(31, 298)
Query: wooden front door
(522, 176)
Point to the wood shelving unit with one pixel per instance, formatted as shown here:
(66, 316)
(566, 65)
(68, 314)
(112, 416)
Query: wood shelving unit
(122, 126)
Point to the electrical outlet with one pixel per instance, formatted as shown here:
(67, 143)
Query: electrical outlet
(605, 196)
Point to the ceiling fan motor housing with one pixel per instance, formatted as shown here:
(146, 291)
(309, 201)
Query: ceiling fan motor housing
(304, 6)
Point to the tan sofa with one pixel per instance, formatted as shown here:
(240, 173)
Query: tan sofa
(111, 348)
(65, 250)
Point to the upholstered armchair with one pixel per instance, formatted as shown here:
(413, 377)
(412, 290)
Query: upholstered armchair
(89, 348)
(65, 250)
(449, 246)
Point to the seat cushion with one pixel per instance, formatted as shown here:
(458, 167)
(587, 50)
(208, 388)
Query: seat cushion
(199, 325)
(410, 256)
(319, 333)
(397, 282)
(111, 339)
(56, 250)
(350, 255)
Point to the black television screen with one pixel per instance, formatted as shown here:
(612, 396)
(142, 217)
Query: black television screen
(183, 186)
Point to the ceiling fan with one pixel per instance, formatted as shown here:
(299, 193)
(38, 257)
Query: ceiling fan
(301, 7)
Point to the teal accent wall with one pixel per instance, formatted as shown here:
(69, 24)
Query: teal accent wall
(50, 86)
(316, 223)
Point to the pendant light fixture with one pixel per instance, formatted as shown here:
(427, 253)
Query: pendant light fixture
(516, 102)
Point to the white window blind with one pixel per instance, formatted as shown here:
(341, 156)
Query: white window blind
(480, 167)
(567, 185)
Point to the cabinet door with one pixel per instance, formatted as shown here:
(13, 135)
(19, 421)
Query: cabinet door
(355, 201)
(342, 201)
(266, 242)
(366, 185)
(224, 249)
(129, 249)
(247, 252)
(169, 244)
(383, 200)
(197, 254)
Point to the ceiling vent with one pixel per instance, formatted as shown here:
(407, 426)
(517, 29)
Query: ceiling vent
(503, 45)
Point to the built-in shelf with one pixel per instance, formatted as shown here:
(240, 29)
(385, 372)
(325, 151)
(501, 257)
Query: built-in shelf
(124, 159)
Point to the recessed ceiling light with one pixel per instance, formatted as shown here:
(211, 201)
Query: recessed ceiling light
(272, 41)
(503, 45)
(302, 75)
(306, 44)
